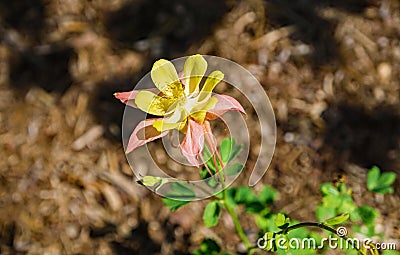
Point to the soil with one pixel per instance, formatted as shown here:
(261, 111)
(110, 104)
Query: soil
(331, 70)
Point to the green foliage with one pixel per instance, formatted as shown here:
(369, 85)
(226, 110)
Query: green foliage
(335, 201)
(174, 204)
(181, 191)
(179, 195)
(337, 220)
(325, 212)
(209, 247)
(268, 195)
(234, 169)
(252, 203)
(367, 214)
(391, 252)
(380, 183)
(228, 151)
(282, 221)
(338, 200)
(337, 207)
(211, 214)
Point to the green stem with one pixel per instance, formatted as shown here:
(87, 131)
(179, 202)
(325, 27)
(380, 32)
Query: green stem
(308, 224)
(236, 222)
(228, 207)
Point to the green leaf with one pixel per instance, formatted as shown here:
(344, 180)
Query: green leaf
(332, 200)
(371, 230)
(337, 220)
(300, 233)
(372, 177)
(329, 189)
(254, 207)
(264, 221)
(211, 214)
(212, 183)
(367, 214)
(229, 150)
(317, 237)
(268, 195)
(324, 212)
(387, 179)
(244, 195)
(226, 148)
(341, 187)
(230, 196)
(180, 191)
(204, 174)
(235, 152)
(179, 195)
(355, 216)
(208, 247)
(390, 252)
(281, 221)
(174, 204)
(383, 190)
(347, 206)
(380, 183)
(234, 169)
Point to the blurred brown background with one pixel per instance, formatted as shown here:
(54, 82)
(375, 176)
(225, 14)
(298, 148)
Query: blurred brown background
(330, 68)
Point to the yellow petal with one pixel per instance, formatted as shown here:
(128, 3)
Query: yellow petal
(151, 103)
(193, 71)
(162, 126)
(199, 113)
(176, 121)
(212, 80)
(163, 74)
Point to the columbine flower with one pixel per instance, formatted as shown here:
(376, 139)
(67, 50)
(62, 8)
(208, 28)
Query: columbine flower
(181, 105)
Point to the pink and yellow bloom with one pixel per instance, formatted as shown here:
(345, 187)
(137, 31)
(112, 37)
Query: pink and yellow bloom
(180, 104)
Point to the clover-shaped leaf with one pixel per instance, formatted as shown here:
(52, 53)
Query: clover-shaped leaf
(380, 183)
